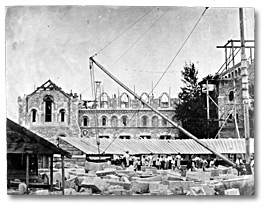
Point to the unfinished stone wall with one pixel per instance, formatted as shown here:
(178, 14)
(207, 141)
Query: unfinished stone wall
(233, 83)
(55, 128)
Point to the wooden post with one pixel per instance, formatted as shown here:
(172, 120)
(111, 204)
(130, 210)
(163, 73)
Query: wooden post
(226, 62)
(245, 94)
(63, 174)
(232, 53)
(51, 173)
(235, 119)
(250, 52)
(27, 173)
(207, 107)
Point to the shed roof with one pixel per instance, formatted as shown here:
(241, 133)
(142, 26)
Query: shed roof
(22, 140)
(157, 146)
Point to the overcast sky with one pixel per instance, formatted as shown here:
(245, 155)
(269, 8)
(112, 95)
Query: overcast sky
(56, 42)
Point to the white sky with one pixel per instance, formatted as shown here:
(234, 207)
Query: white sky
(55, 43)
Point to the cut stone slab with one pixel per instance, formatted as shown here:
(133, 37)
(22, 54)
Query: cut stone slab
(153, 186)
(208, 190)
(222, 169)
(179, 184)
(95, 183)
(163, 172)
(233, 191)
(198, 176)
(197, 191)
(105, 172)
(111, 176)
(90, 166)
(147, 168)
(214, 172)
(126, 185)
(245, 184)
(140, 187)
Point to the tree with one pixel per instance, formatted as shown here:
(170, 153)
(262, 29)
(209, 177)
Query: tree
(191, 109)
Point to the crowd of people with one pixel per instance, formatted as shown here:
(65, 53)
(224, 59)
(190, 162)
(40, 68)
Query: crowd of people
(174, 162)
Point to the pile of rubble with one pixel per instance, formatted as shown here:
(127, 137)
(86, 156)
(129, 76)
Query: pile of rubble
(106, 179)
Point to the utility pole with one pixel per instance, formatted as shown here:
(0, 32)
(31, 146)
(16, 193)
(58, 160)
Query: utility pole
(207, 107)
(235, 111)
(245, 94)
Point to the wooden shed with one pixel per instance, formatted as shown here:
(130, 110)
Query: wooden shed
(23, 149)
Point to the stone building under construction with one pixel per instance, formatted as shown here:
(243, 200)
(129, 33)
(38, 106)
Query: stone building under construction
(51, 112)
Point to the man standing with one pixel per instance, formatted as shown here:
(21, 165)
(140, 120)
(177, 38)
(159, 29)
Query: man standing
(127, 158)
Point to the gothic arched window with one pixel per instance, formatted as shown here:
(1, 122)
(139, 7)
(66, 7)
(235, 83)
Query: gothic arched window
(114, 121)
(155, 121)
(124, 101)
(104, 121)
(34, 115)
(144, 121)
(62, 115)
(48, 108)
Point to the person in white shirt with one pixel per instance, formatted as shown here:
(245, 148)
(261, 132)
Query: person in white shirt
(178, 161)
(150, 160)
(127, 158)
(173, 164)
(158, 162)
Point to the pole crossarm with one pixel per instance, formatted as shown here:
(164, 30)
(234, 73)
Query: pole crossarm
(161, 115)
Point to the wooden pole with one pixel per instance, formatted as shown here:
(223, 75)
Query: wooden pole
(63, 175)
(245, 94)
(232, 53)
(207, 107)
(226, 66)
(51, 173)
(235, 119)
(27, 173)
(162, 115)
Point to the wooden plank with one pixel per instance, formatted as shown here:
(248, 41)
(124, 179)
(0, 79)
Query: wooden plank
(27, 172)
(51, 173)
(63, 175)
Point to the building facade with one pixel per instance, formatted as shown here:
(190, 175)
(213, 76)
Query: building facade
(230, 102)
(51, 112)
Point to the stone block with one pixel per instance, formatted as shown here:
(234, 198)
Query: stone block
(140, 187)
(111, 176)
(115, 190)
(197, 191)
(149, 169)
(233, 191)
(22, 188)
(163, 172)
(198, 176)
(90, 166)
(180, 184)
(208, 190)
(214, 172)
(95, 183)
(105, 172)
(154, 186)
(126, 185)
(153, 178)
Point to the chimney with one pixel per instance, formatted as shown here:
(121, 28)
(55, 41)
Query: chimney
(98, 93)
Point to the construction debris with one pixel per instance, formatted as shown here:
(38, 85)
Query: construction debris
(105, 179)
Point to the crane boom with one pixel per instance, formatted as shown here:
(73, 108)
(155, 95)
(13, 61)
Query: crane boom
(91, 59)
